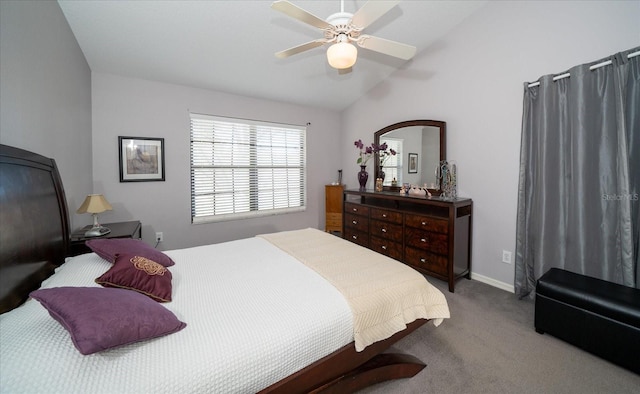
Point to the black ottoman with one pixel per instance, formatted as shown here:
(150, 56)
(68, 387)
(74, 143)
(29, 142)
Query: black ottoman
(600, 317)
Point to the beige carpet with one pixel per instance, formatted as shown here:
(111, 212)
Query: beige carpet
(489, 345)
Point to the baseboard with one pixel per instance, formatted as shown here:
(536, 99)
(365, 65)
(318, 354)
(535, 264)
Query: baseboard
(492, 282)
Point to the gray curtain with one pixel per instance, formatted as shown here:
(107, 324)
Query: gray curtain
(579, 183)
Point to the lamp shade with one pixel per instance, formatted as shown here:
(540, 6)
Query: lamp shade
(342, 55)
(94, 203)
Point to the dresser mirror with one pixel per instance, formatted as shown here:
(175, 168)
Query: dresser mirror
(421, 146)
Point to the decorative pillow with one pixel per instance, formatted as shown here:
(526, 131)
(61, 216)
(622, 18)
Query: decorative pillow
(99, 319)
(139, 274)
(109, 248)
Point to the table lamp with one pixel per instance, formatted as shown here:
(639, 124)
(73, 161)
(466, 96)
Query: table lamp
(95, 204)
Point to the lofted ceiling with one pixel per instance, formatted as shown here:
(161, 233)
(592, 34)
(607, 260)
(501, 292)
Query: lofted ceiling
(229, 46)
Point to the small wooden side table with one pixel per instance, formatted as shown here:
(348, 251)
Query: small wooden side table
(118, 230)
(333, 208)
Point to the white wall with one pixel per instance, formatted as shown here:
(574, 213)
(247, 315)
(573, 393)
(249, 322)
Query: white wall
(473, 79)
(139, 108)
(45, 93)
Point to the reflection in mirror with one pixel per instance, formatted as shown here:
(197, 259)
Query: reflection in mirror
(422, 140)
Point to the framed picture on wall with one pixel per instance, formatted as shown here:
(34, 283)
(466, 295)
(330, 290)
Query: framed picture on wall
(413, 163)
(141, 159)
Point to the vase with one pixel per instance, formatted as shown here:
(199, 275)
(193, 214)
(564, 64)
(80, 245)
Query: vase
(381, 173)
(363, 176)
(449, 179)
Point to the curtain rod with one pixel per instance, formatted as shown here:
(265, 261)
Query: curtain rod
(594, 67)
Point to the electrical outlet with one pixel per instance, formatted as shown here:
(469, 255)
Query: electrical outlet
(506, 257)
(159, 237)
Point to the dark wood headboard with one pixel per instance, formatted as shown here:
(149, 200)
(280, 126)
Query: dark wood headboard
(34, 223)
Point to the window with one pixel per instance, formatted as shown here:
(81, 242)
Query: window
(393, 165)
(244, 168)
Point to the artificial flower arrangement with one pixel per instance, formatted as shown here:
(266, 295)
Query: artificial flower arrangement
(367, 153)
(384, 154)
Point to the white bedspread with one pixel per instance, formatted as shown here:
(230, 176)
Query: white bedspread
(383, 294)
(240, 337)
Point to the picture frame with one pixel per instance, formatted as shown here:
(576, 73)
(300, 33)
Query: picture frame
(413, 163)
(141, 159)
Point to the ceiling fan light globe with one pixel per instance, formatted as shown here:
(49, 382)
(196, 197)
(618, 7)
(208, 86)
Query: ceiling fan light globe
(342, 55)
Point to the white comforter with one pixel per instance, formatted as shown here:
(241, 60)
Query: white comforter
(254, 316)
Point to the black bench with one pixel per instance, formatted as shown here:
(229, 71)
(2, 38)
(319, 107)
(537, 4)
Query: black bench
(600, 317)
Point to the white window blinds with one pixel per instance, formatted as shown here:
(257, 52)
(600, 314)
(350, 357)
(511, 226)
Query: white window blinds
(244, 168)
(393, 165)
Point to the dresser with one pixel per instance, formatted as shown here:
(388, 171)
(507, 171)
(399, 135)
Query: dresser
(333, 208)
(432, 235)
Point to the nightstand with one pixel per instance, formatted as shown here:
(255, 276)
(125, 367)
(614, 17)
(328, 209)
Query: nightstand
(118, 230)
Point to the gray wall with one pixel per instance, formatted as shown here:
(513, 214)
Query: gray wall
(45, 93)
(429, 162)
(473, 79)
(139, 108)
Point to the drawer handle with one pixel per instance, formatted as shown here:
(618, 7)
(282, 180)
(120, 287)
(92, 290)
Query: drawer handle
(384, 215)
(354, 221)
(355, 209)
(354, 236)
(384, 230)
(424, 223)
(423, 240)
(384, 247)
(423, 260)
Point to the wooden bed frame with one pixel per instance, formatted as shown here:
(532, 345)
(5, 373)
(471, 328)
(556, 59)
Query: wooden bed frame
(34, 234)
(34, 240)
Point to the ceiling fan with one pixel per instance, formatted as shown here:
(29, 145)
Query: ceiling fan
(342, 30)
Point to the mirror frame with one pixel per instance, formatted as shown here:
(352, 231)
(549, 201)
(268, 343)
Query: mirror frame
(409, 123)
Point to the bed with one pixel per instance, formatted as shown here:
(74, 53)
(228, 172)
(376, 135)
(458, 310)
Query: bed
(284, 312)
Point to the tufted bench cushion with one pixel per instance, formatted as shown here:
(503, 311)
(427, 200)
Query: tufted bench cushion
(598, 316)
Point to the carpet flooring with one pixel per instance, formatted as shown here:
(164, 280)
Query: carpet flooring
(489, 345)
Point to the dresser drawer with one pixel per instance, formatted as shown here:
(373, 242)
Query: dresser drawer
(386, 247)
(387, 215)
(430, 234)
(360, 223)
(426, 240)
(356, 209)
(426, 260)
(427, 223)
(386, 230)
(334, 219)
(358, 237)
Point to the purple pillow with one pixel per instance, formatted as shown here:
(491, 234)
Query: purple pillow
(139, 274)
(99, 319)
(109, 248)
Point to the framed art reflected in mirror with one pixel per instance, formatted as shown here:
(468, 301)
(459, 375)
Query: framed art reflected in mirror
(413, 163)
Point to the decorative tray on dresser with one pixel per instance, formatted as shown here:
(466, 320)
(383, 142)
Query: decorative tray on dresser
(430, 234)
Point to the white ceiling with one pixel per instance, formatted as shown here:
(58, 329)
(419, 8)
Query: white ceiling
(229, 46)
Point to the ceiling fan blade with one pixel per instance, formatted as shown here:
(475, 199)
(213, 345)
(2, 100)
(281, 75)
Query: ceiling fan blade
(388, 47)
(298, 13)
(371, 11)
(300, 48)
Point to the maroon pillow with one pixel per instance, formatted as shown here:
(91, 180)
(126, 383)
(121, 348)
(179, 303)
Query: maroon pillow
(139, 274)
(98, 319)
(109, 248)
